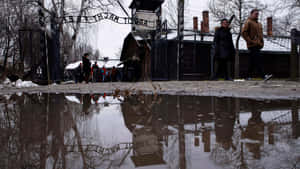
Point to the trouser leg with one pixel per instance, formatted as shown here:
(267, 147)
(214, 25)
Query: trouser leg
(228, 69)
(258, 60)
(251, 62)
(223, 69)
(216, 68)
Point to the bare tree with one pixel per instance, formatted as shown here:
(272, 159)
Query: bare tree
(96, 54)
(12, 18)
(241, 9)
(171, 12)
(62, 8)
(19, 14)
(286, 14)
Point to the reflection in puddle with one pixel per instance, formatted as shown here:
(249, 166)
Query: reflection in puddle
(54, 131)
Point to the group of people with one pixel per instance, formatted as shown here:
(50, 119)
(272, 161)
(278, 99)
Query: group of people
(93, 73)
(224, 50)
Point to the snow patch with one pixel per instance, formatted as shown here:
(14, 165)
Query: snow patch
(108, 64)
(21, 84)
(73, 99)
(139, 126)
(7, 97)
(7, 81)
(266, 116)
(239, 80)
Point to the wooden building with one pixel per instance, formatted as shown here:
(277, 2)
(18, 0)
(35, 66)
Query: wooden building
(197, 61)
(136, 57)
(136, 52)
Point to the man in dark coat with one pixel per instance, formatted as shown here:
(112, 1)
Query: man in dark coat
(113, 74)
(86, 67)
(79, 74)
(224, 51)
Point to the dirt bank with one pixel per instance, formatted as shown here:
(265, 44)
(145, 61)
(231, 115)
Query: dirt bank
(244, 89)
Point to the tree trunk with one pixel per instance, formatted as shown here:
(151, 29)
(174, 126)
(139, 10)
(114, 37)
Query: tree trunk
(62, 56)
(76, 30)
(6, 53)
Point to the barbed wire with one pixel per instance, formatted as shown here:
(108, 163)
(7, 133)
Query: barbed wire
(282, 42)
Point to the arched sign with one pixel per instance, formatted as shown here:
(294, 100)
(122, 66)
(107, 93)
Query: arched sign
(110, 16)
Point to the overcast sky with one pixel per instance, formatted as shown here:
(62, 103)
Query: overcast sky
(108, 36)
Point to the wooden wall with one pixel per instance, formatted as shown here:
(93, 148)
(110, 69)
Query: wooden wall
(196, 64)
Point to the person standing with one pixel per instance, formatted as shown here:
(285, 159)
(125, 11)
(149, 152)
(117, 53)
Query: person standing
(224, 51)
(103, 72)
(95, 72)
(113, 74)
(252, 32)
(79, 74)
(86, 67)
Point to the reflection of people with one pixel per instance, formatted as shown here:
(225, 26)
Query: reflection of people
(86, 103)
(224, 51)
(255, 132)
(86, 67)
(224, 124)
(95, 98)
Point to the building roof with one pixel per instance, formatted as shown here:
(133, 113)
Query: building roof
(109, 64)
(271, 44)
(137, 40)
(146, 4)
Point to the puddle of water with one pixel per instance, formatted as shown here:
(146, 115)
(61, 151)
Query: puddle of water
(147, 131)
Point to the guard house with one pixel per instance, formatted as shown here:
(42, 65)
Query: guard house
(136, 52)
(146, 15)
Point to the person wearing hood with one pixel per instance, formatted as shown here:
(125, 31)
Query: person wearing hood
(252, 32)
(224, 51)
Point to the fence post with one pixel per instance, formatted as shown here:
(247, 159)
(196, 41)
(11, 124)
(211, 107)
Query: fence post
(293, 59)
(180, 34)
(195, 22)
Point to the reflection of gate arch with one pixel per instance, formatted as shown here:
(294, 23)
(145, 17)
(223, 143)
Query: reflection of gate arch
(100, 149)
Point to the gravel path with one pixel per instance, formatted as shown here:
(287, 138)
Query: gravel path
(244, 89)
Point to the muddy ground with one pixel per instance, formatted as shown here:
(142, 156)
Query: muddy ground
(244, 89)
